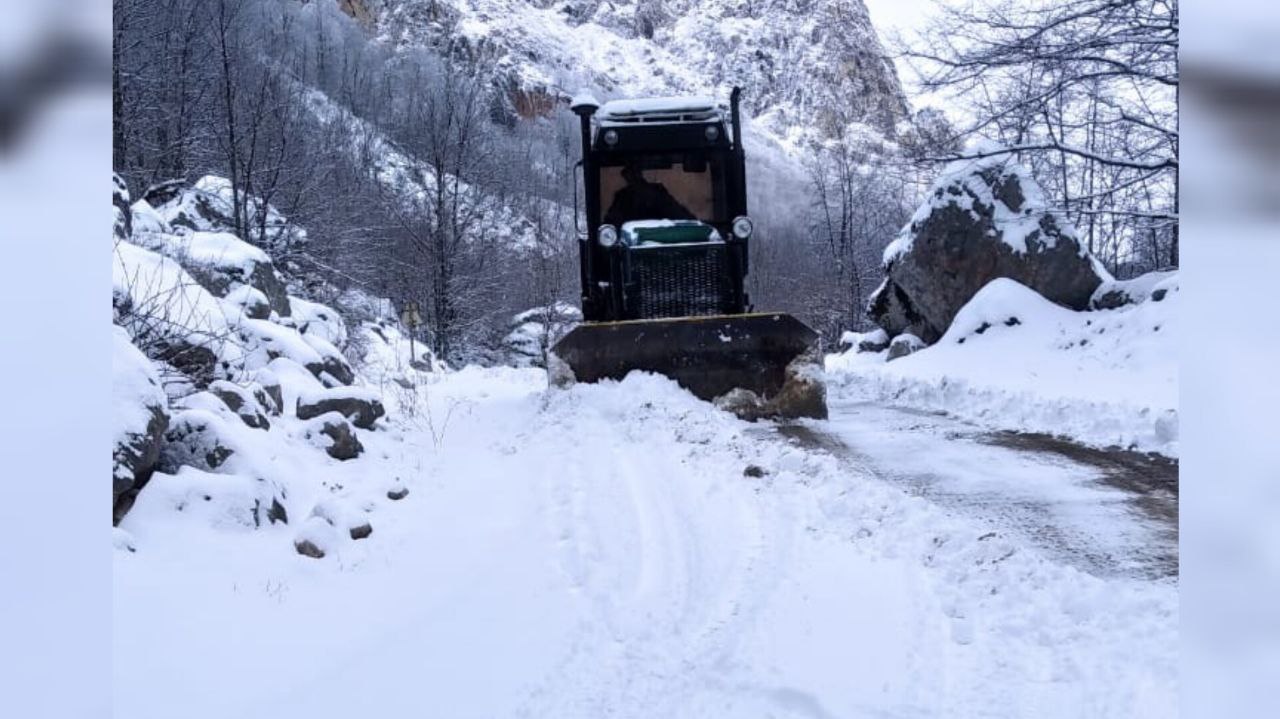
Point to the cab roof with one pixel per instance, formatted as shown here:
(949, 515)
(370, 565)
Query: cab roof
(671, 109)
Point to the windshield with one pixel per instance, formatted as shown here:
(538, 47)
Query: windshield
(663, 187)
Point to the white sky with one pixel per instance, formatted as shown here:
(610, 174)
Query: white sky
(904, 18)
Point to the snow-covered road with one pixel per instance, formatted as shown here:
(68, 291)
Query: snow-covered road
(625, 550)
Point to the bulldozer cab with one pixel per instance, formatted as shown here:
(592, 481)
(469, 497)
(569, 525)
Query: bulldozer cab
(663, 186)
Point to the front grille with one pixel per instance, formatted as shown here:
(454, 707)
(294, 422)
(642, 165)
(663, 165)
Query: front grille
(681, 281)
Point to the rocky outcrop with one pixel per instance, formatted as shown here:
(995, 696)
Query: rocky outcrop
(813, 67)
(983, 219)
(191, 305)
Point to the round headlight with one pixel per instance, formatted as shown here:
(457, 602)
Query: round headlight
(610, 137)
(742, 227)
(712, 132)
(608, 235)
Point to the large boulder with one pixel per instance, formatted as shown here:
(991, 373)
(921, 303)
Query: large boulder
(984, 218)
(139, 420)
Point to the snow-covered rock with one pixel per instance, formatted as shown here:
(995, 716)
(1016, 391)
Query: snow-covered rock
(903, 345)
(146, 221)
(221, 501)
(983, 218)
(535, 331)
(876, 340)
(316, 538)
(265, 341)
(253, 303)
(139, 419)
(332, 432)
(316, 320)
(208, 207)
(198, 438)
(222, 263)
(122, 228)
(1117, 293)
(361, 405)
(249, 403)
(170, 316)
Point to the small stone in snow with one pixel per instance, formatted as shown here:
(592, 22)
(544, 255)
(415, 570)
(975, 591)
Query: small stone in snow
(361, 531)
(398, 493)
(307, 548)
(753, 470)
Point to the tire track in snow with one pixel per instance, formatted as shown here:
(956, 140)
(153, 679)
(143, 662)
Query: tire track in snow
(680, 567)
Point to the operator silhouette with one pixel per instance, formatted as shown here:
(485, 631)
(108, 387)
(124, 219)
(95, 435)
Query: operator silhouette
(643, 200)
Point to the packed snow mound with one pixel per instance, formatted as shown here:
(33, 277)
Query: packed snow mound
(983, 218)
(1013, 360)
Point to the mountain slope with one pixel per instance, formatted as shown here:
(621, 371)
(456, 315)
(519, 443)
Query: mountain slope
(812, 63)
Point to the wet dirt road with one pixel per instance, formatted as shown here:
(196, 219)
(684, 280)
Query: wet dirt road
(1109, 512)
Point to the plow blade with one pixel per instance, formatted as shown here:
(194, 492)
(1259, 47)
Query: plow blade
(771, 355)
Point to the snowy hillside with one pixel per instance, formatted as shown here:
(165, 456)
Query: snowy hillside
(1013, 360)
(233, 398)
(808, 67)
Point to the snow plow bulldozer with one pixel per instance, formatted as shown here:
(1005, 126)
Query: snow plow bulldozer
(663, 260)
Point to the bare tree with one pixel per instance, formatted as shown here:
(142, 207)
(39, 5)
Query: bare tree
(1086, 93)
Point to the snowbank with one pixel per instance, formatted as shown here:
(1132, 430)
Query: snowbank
(1013, 360)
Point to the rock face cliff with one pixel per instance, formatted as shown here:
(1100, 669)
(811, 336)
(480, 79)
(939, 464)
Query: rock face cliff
(810, 67)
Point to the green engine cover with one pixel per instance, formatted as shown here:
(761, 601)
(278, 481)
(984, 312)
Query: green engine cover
(667, 232)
